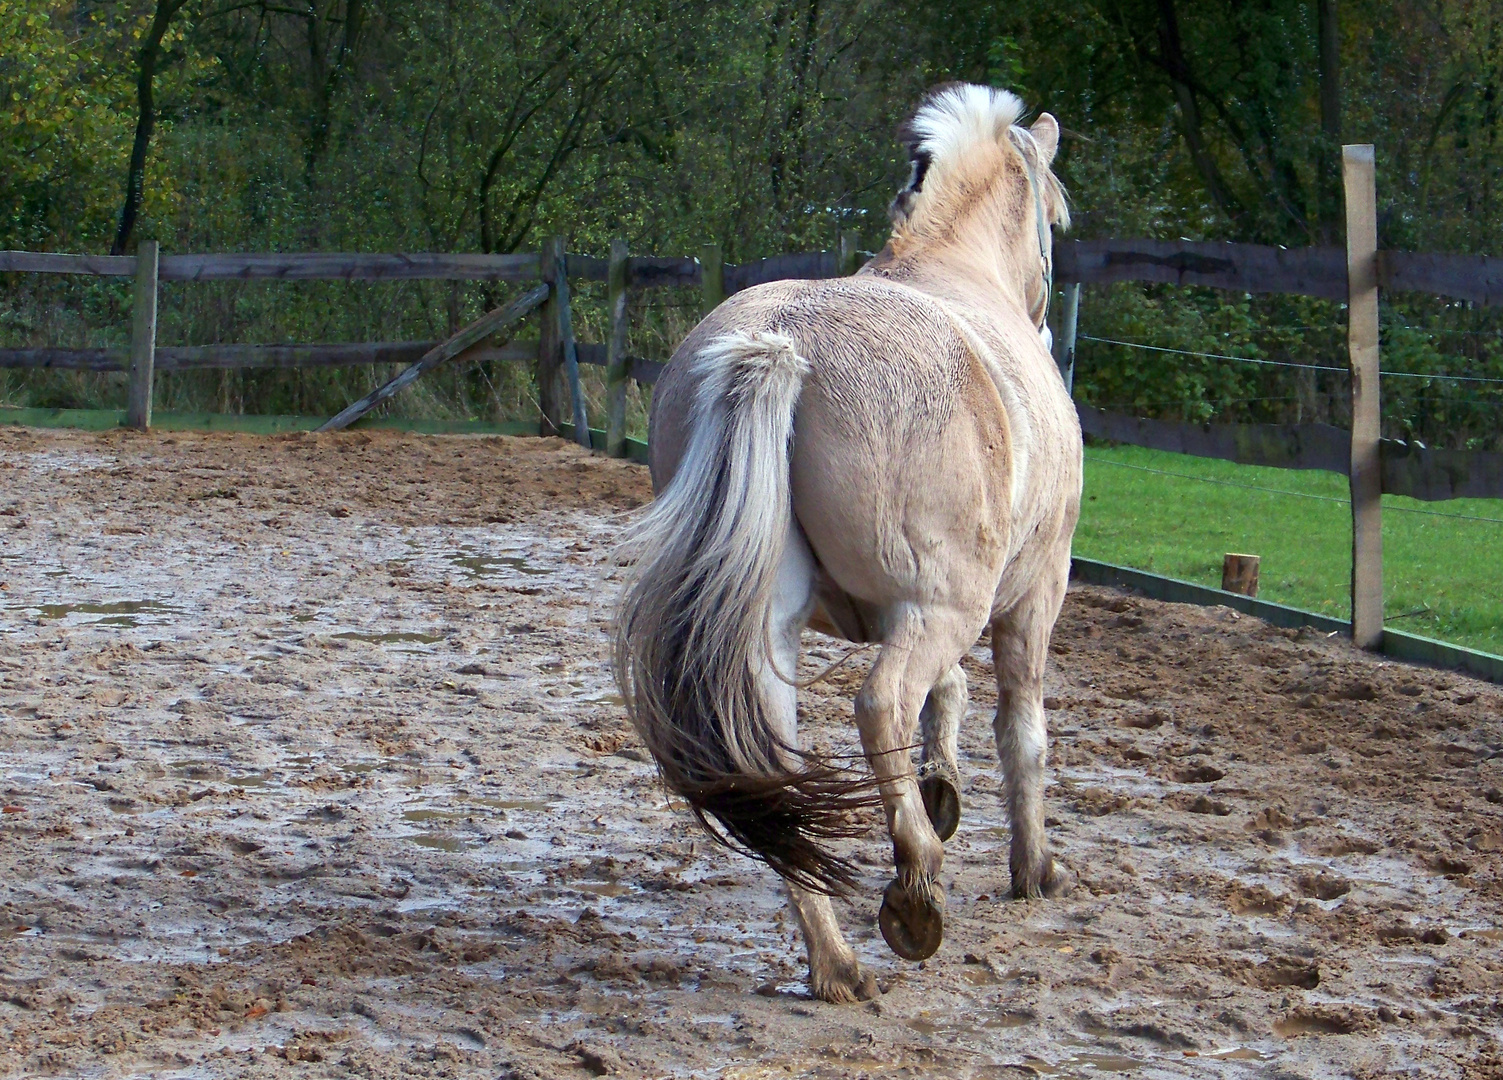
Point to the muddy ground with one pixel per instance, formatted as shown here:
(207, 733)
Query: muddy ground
(312, 766)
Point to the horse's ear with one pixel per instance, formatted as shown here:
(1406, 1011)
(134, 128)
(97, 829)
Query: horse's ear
(1045, 132)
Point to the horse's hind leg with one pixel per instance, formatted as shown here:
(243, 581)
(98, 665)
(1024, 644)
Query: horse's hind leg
(1020, 646)
(921, 647)
(939, 773)
(834, 972)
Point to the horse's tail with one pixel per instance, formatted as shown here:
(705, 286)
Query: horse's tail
(693, 629)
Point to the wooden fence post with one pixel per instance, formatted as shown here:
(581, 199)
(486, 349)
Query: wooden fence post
(1070, 323)
(550, 341)
(570, 348)
(615, 357)
(712, 276)
(850, 257)
(1358, 176)
(143, 338)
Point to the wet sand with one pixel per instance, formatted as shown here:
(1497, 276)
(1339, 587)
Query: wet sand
(312, 765)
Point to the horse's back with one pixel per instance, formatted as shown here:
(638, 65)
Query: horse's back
(885, 359)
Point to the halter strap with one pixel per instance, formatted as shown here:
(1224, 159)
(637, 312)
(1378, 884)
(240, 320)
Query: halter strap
(1046, 248)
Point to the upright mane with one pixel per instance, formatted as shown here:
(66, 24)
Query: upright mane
(958, 140)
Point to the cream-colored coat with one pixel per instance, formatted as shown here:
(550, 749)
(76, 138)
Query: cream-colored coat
(926, 456)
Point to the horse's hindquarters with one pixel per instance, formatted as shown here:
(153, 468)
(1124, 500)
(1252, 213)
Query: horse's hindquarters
(905, 493)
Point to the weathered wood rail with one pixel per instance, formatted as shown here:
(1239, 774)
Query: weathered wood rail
(1406, 469)
(1319, 272)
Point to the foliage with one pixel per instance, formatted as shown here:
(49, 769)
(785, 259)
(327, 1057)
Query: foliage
(486, 125)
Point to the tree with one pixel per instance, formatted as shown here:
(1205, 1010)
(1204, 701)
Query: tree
(148, 58)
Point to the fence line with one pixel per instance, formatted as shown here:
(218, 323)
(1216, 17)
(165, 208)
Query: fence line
(1317, 271)
(1375, 465)
(1407, 469)
(1214, 356)
(1324, 272)
(1285, 363)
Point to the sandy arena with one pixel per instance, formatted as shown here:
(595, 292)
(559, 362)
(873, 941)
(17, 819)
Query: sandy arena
(313, 766)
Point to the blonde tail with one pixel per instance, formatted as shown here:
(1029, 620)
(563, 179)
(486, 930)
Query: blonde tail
(692, 630)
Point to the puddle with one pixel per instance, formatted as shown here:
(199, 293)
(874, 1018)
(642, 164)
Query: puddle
(1076, 1064)
(119, 613)
(1236, 1053)
(208, 771)
(600, 697)
(439, 842)
(429, 815)
(391, 639)
(1001, 1020)
(510, 804)
(482, 565)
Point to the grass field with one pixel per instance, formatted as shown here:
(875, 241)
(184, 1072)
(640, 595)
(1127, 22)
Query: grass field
(1442, 568)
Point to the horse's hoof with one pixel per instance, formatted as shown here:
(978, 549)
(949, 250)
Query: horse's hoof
(1056, 881)
(913, 923)
(941, 803)
(847, 984)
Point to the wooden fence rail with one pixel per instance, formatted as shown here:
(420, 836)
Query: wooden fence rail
(1406, 469)
(1319, 272)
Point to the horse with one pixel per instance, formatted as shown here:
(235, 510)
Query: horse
(892, 458)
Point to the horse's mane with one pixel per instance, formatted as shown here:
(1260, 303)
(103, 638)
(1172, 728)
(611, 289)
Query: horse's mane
(957, 129)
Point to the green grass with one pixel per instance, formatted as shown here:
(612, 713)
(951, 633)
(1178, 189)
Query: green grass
(1442, 575)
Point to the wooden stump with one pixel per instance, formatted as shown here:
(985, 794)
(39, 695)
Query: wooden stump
(1239, 574)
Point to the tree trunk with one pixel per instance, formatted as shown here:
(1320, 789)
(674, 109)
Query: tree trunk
(146, 119)
(1177, 67)
(1328, 185)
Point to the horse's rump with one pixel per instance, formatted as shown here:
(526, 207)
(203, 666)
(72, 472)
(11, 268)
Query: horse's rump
(901, 443)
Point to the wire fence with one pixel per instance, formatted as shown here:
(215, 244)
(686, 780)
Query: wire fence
(1288, 364)
(1185, 354)
(1099, 460)
(1196, 354)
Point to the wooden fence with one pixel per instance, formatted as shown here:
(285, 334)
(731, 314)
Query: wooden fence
(1355, 276)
